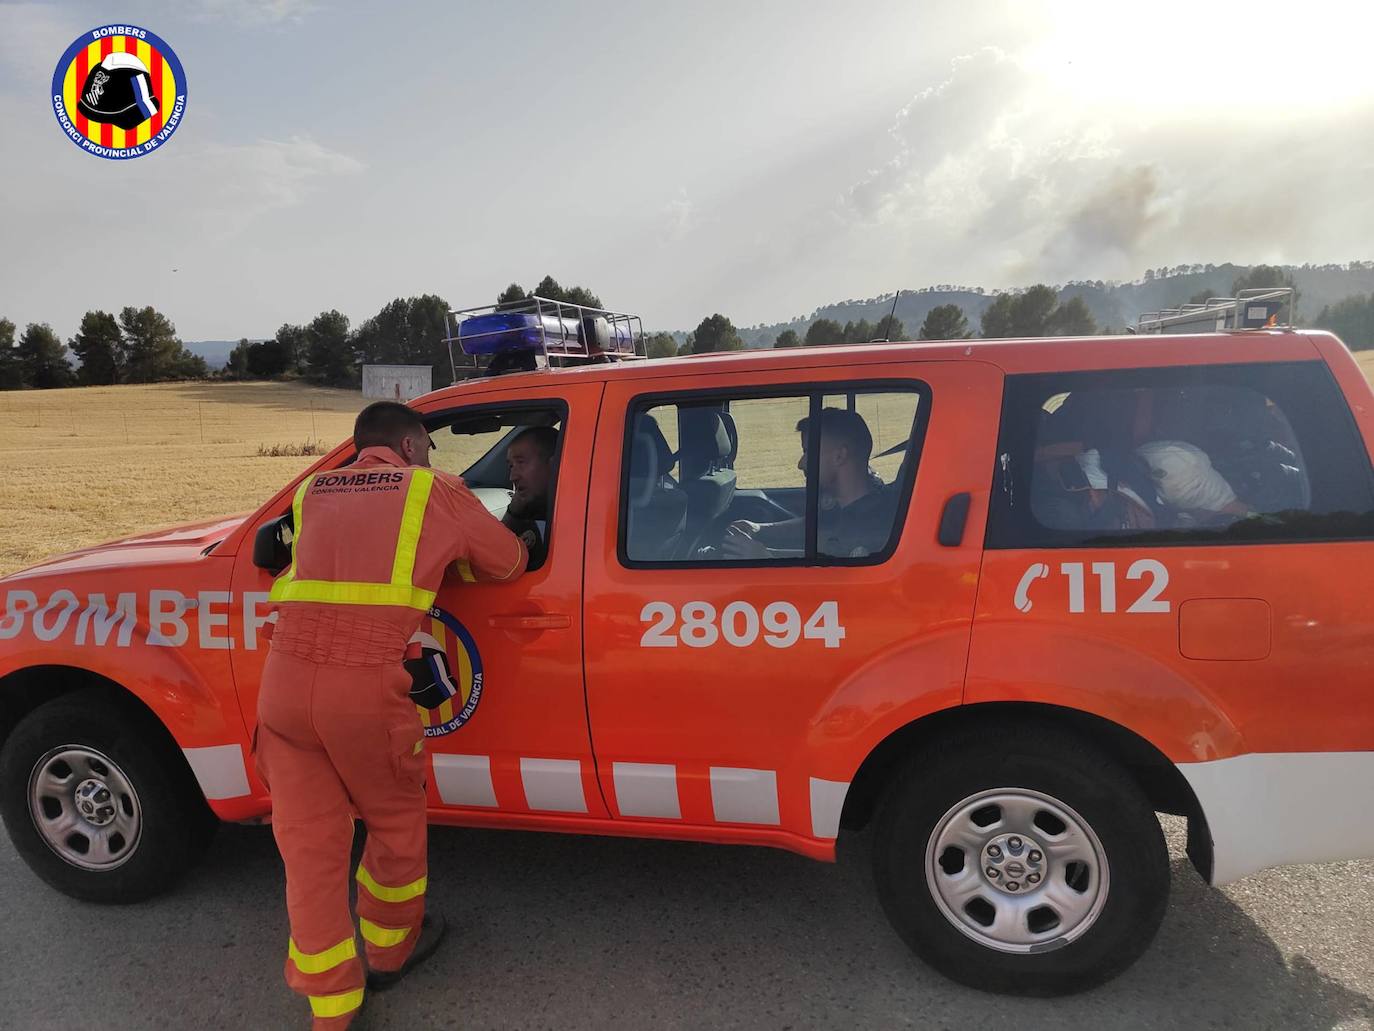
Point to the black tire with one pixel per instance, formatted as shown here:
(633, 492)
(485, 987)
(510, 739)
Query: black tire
(1048, 761)
(174, 824)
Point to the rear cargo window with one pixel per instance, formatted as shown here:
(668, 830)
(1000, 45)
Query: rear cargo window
(1223, 454)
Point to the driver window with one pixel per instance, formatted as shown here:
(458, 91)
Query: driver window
(509, 460)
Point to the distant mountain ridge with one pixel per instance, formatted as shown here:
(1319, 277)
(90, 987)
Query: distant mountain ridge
(1113, 305)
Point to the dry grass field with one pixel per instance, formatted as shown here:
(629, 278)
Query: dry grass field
(94, 463)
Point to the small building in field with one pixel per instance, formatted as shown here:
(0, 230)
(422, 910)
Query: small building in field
(397, 382)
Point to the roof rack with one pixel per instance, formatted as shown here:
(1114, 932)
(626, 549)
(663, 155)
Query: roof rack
(539, 333)
(1256, 308)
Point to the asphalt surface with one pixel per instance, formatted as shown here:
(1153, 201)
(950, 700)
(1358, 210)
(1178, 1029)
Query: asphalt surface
(570, 932)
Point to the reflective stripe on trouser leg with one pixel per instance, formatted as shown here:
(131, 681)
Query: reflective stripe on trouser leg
(339, 1004)
(389, 915)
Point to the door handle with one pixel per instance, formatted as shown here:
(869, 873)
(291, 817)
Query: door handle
(529, 621)
(952, 520)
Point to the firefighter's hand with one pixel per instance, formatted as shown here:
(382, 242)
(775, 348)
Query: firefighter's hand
(740, 541)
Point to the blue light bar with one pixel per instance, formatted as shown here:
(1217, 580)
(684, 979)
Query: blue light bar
(516, 331)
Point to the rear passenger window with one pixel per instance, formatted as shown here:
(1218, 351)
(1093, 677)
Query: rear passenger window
(1240, 453)
(804, 478)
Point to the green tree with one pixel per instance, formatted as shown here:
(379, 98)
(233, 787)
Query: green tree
(889, 327)
(787, 338)
(1026, 314)
(97, 344)
(294, 343)
(945, 322)
(716, 333)
(660, 345)
(514, 292)
(1071, 319)
(43, 357)
(1352, 319)
(11, 368)
(328, 350)
(237, 365)
(151, 351)
(824, 331)
(860, 332)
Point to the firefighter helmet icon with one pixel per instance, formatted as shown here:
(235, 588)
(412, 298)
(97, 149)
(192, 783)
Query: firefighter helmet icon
(445, 672)
(118, 91)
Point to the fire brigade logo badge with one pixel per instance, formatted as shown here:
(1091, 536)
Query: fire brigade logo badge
(119, 92)
(446, 678)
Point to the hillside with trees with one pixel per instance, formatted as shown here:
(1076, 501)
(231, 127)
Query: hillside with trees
(140, 345)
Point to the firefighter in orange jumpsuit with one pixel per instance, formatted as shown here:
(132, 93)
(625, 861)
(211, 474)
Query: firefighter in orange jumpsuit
(337, 733)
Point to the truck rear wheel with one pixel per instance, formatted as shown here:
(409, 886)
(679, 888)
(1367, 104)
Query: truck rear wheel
(1020, 859)
(98, 802)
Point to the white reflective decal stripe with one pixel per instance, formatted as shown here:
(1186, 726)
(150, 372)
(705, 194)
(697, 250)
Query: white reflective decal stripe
(464, 780)
(1270, 808)
(646, 789)
(827, 801)
(553, 785)
(219, 770)
(744, 796)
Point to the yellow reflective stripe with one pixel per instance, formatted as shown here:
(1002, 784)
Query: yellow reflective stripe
(296, 502)
(419, 747)
(385, 894)
(465, 571)
(351, 593)
(412, 522)
(319, 962)
(336, 1005)
(382, 937)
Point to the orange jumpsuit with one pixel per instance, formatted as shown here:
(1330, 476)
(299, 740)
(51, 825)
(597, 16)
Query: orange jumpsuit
(337, 733)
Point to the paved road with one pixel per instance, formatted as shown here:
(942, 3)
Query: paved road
(564, 932)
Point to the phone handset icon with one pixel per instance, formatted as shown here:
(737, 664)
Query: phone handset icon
(1037, 571)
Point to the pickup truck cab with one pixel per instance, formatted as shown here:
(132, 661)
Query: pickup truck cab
(1077, 582)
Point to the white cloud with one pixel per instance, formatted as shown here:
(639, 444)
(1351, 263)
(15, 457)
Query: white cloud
(34, 38)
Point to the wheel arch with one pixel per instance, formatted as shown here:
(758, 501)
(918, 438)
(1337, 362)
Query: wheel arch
(1158, 777)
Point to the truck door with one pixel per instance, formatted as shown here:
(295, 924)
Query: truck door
(738, 693)
(511, 742)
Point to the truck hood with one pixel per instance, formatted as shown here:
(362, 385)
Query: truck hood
(175, 545)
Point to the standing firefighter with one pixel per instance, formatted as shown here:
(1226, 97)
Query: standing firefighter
(337, 734)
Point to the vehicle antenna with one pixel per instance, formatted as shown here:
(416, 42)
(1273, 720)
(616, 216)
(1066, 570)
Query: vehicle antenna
(891, 317)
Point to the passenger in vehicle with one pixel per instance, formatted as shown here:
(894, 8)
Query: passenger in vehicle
(1087, 475)
(1187, 482)
(856, 508)
(529, 457)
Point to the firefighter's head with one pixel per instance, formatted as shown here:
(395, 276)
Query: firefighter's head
(846, 445)
(529, 457)
(393, 425)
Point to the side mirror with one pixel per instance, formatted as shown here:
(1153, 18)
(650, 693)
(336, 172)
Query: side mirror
(270, 550)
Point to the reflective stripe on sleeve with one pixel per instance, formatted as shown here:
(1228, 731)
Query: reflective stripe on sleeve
(383, 893)
(465, 571)
(382, 937)
(319, 962)
(336, 1005)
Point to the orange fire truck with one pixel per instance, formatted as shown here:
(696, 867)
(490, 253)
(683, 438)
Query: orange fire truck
(1003, 600)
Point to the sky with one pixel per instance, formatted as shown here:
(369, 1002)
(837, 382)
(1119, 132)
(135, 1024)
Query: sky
(752, 158)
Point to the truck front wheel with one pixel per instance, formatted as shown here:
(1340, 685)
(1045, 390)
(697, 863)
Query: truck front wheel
(1020, 859)
(97, 800)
